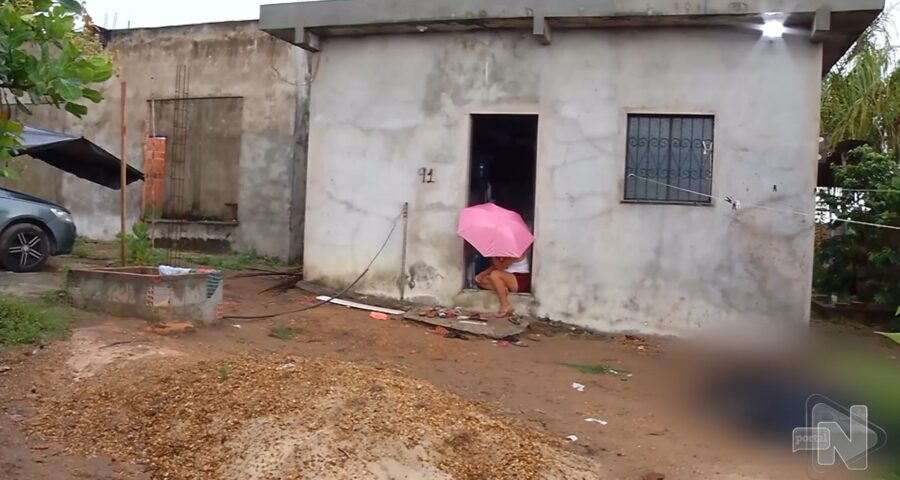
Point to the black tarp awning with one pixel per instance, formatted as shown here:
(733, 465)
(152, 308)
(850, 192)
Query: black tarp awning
(76, 155)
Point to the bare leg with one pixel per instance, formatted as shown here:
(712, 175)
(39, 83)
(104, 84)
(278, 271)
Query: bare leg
(483, 280)
(503, 283)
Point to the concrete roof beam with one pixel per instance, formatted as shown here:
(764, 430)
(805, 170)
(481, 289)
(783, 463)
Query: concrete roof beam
(821, 26)
(541, 30)
(834, 23)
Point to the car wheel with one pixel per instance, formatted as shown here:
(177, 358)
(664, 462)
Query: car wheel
(24, 248)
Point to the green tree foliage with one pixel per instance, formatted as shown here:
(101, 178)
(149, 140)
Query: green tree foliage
(865, 261)
(861, 95)
(47, 60)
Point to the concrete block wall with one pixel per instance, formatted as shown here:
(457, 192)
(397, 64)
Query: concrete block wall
(224, 59)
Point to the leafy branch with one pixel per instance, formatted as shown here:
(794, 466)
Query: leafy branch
(45, 59)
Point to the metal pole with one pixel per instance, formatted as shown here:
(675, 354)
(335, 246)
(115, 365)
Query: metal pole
(122, 181)
(403, 253)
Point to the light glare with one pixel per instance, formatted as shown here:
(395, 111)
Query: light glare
(773, 29)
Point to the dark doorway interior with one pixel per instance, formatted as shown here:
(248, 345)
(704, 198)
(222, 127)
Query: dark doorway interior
(503, 170)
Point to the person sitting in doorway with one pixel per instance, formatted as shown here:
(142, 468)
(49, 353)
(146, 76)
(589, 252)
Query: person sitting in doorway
(505, 276)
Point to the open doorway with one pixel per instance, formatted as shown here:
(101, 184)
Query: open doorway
(502, 170)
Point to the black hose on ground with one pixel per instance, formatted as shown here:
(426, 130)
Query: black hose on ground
(335, 297)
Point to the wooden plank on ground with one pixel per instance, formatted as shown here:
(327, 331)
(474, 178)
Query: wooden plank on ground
(361, 306)
(493, 328)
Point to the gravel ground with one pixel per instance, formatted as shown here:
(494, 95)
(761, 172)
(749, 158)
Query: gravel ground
(264, 416)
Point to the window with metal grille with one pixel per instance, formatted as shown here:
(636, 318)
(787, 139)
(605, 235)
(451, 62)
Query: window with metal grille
(669, 158)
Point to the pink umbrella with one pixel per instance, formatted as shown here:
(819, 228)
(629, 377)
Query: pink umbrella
(495, 231)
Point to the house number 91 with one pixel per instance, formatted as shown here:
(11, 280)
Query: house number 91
(427, 175)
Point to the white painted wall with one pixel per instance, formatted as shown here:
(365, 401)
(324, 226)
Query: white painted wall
(383, 107)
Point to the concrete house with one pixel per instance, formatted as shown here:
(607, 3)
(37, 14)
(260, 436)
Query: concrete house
(665, 152)
(224, 103)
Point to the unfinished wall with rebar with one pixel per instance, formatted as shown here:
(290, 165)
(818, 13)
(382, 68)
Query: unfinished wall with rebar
(225, 97)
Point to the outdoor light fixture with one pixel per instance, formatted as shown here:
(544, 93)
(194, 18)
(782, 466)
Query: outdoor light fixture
(773, 29)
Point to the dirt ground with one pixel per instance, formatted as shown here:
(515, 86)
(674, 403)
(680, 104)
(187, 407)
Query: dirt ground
(524, 393)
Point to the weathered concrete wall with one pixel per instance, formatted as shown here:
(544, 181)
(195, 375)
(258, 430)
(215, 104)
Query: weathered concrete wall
(385, 106)
(230, 59)
(143, 292)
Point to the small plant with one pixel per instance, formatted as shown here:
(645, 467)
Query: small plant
(595, 368)
(139, 247)
(224, 370)
(54, 298)
(80, 250)
(283, 332)
(235, 261)
(22, 321)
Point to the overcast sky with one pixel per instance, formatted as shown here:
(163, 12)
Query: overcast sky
(155, 13)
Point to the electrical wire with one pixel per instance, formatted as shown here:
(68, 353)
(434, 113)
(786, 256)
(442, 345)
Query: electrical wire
(335, 297)
(738, 205)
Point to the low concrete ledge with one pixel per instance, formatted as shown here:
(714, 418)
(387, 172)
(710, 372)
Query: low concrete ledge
(142, 292)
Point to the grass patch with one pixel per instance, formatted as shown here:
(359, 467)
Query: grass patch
(595, 368)
(80, 250)
(283, 332)
(95, 250)
(224, 370)
(54, 298)
(23, 321)
(234, 261)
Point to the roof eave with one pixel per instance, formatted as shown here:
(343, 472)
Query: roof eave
(834, 23)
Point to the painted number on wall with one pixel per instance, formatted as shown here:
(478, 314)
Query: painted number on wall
(427, 175)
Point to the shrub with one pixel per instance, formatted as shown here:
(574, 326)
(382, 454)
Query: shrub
(139, 247)
(864, 261)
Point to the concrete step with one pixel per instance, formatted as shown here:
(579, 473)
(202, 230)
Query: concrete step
(485, 300)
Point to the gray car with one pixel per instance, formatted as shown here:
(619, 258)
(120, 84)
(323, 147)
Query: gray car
(32, 230)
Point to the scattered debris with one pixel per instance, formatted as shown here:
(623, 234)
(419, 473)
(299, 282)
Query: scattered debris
(455, 334)
(48, 446)
(440, 331)
(379, 316)
(286, 366)
(578, 386)
(4, 368)
(473, 322)
(115, 344)
(360, 306)
(596, 369)
(236, 325)
(173, 328)
(596, 420)
(572, 438)
(653, 476)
